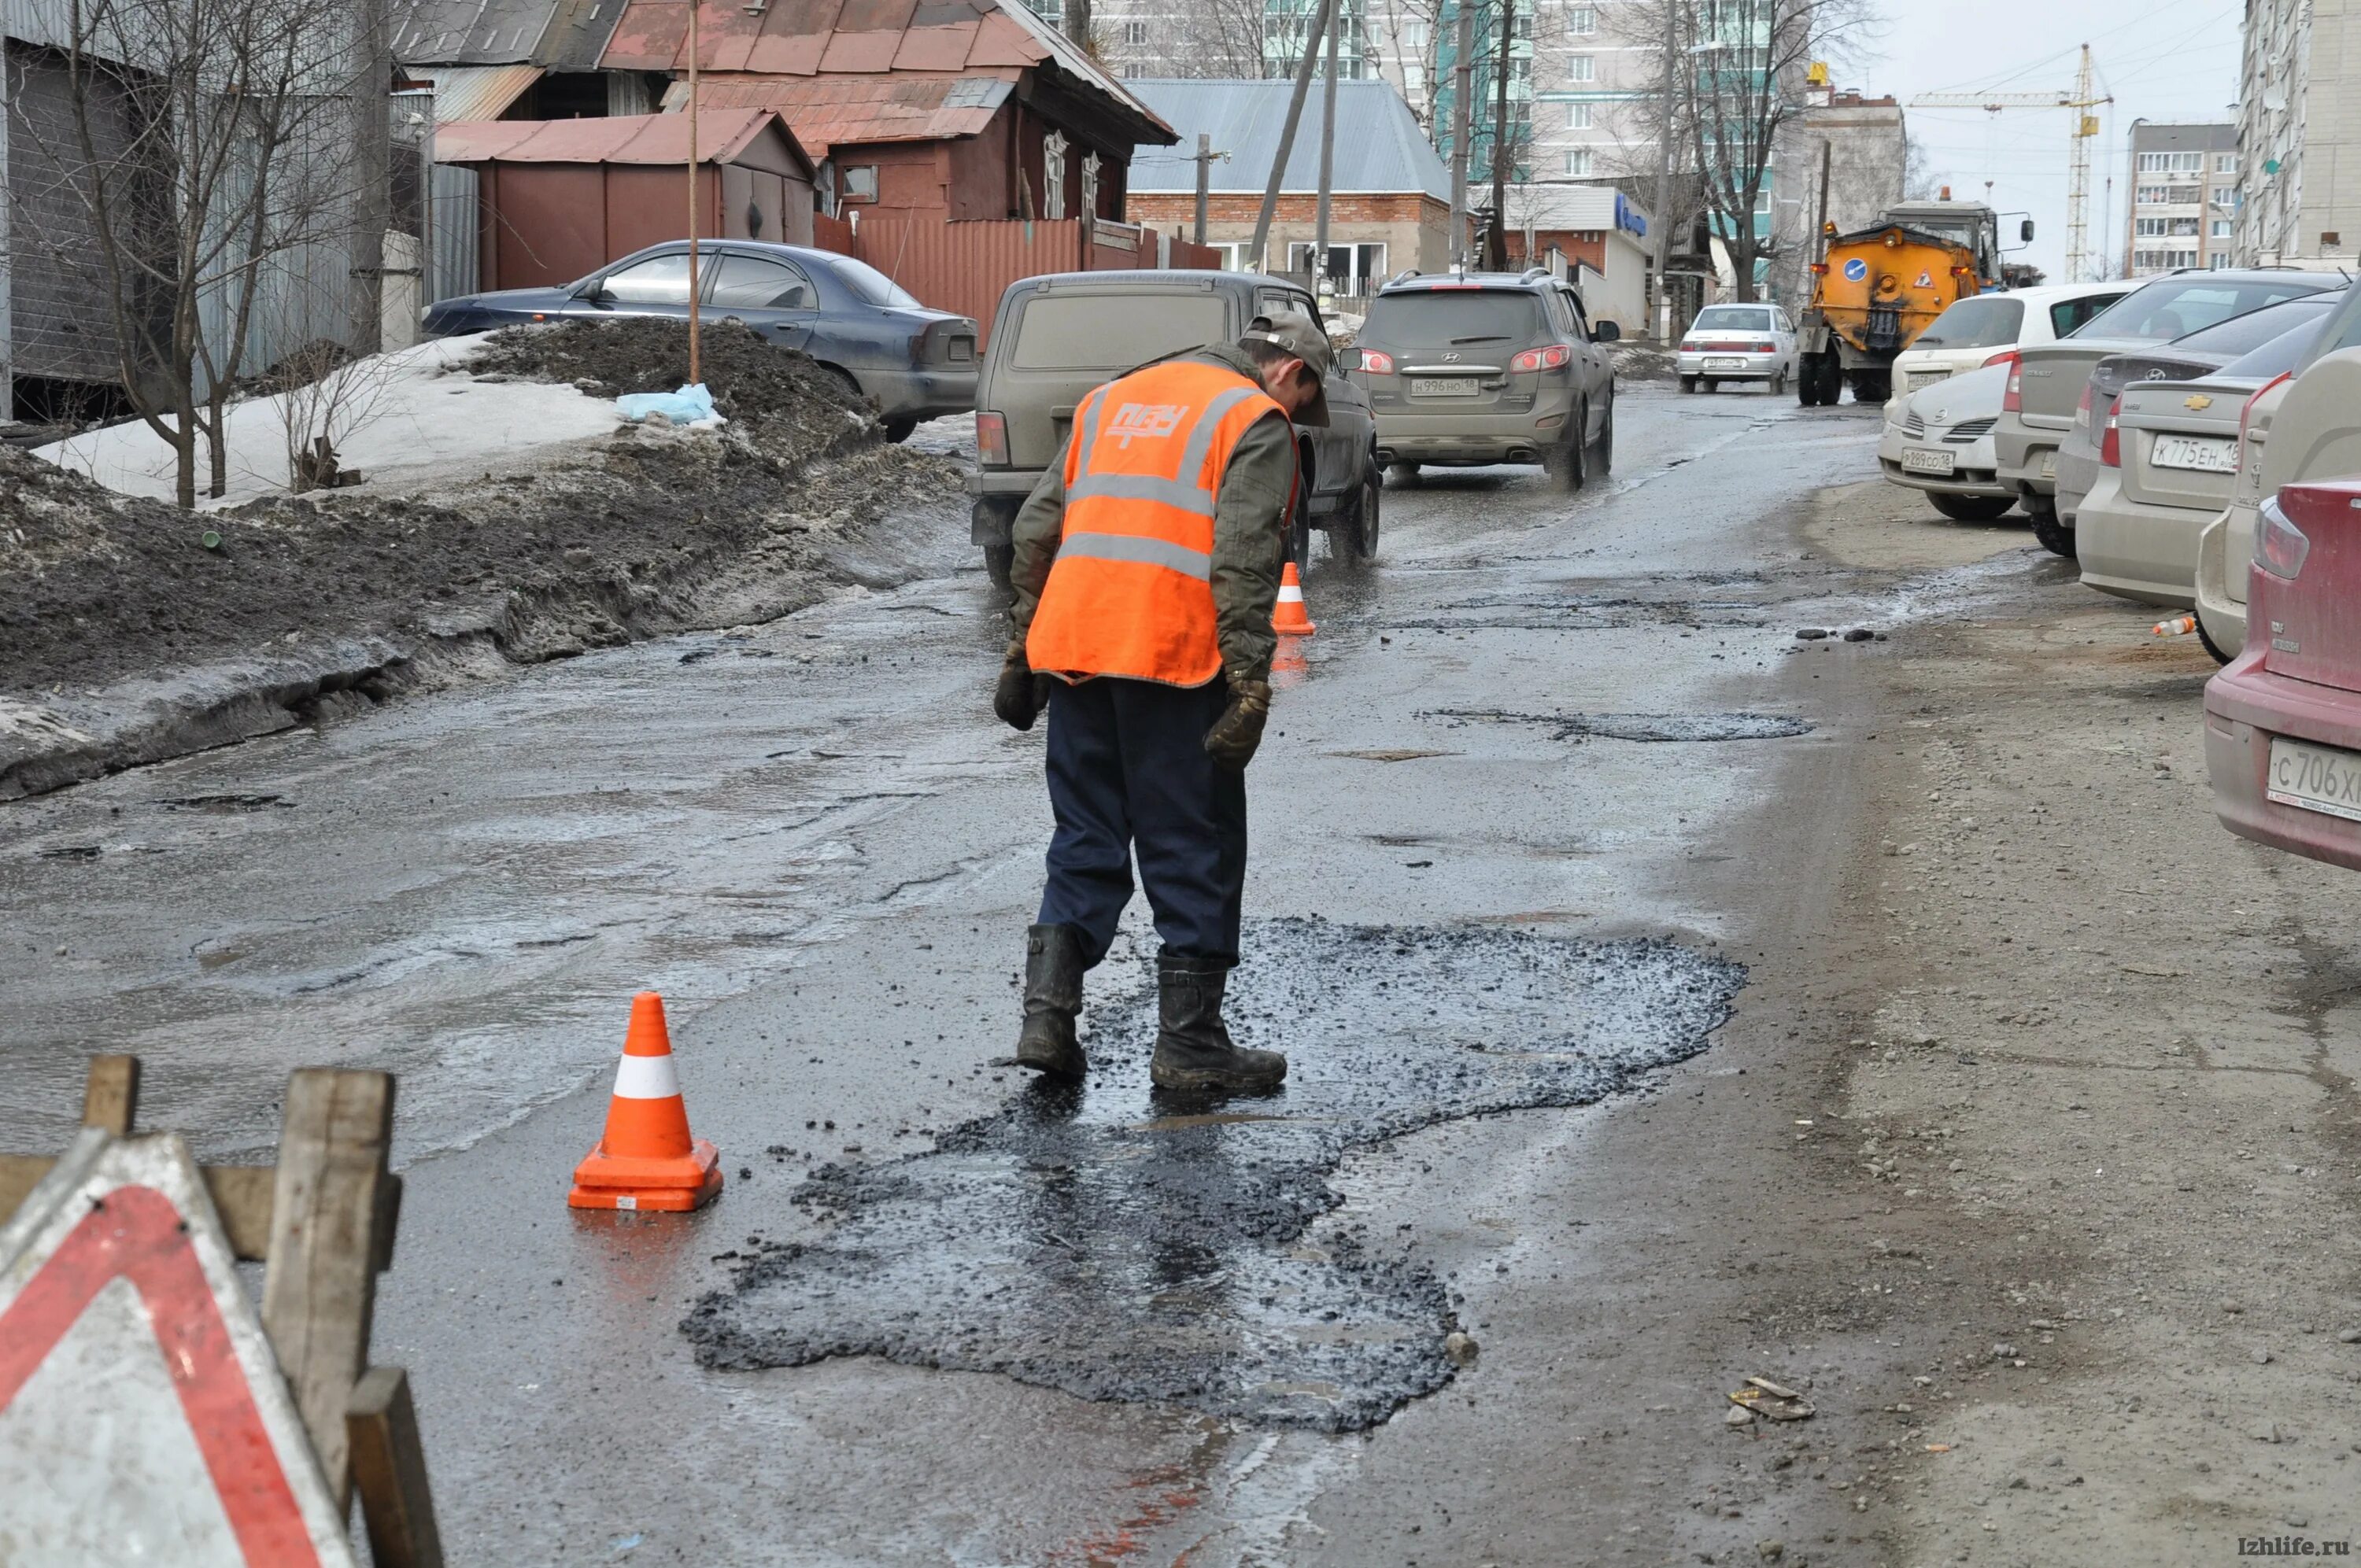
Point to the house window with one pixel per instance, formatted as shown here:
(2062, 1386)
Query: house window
(1577, 116)
(860, 183)
(1135, 34)
(2226, 163)
(2149, 195)
(1577, 161)
(2225, 195)
(2171, 162)
(2221, 229)
(2185, 229)
(1582, 68)
(1353, 270)
(1053, 176)
(1582, 20)
(2147, 228)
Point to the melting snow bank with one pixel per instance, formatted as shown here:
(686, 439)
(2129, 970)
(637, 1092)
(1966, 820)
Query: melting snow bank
(131, 631)
(1120, 1243)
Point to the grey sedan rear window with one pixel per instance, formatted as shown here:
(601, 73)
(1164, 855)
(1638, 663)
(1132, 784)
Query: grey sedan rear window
(1987, 320)
(1453, 318)
(1731, 318)
(1115, 332)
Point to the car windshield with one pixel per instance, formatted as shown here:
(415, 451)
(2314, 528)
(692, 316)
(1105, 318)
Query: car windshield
(1731, 318)
(1452, 318)
(2174, 307)
(1114, 331)
(873, 285)
(1987, 320)
(2243, 334)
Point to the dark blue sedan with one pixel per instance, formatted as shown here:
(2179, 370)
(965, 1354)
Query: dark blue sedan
(916, 362)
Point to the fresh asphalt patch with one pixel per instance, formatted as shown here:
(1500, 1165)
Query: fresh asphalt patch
(1121, 1244)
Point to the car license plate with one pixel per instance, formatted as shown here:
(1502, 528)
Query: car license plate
(2317, 778)
(2050, 465)
(2205, 454)
(1921, 460)
(1443, 387)
(1918, 379)
(1724, 362)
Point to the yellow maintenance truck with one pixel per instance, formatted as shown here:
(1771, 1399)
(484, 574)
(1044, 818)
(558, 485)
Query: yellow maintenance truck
(1876, 290)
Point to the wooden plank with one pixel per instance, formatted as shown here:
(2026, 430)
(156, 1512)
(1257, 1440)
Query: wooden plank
(320, 1285)
(389, 1464)
(110, 1098)
(241, 1194)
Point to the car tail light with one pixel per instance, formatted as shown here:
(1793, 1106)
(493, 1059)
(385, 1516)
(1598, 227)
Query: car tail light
(1376, 362)
(2111, 439)
(2246, 412)
(1553, 357)
(1766, 348)
(2006, 356)
(2012, 397)
(992, 440)
(2082, 409)
(2280, 545)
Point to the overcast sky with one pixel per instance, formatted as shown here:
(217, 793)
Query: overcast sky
(2162, 60)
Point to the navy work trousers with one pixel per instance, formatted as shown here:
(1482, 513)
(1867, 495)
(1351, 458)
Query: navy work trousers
(1128, 775)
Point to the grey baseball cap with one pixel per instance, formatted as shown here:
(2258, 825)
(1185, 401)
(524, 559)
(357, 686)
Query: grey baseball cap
(1295, 334)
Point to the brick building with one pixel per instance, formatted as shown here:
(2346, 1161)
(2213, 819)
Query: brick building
(1390, 196)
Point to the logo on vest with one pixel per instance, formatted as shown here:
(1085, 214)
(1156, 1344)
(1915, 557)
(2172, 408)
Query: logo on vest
(1136, 422)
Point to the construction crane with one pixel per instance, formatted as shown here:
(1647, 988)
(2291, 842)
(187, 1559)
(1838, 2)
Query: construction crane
(2081, 100)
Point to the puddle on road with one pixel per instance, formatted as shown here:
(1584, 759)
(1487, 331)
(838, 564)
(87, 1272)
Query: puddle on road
(1642, 726)
(1118, 1244)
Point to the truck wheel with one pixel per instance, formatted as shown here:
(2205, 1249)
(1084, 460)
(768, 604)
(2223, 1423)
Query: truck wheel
(999, 560)
(1971, 508)
(1809, 373)
(1868, 386)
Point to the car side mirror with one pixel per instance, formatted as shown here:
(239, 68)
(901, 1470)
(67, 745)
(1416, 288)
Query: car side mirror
(1606, 332)
(2024, 232)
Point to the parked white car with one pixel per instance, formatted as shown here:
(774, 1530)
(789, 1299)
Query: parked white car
(1738, 342)
(1967, 336)
(1938, 439)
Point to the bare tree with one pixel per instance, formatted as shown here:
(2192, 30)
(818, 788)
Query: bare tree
(1728, 84)
(207, 163)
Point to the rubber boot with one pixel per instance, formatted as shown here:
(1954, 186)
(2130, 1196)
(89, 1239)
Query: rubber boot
(1192, 1045)
(1053, 994)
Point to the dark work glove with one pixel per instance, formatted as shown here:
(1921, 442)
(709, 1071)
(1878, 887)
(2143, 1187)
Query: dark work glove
(1234, 736)
(1019, 694)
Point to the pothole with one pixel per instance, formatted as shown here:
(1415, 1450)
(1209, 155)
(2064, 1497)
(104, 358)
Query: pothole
(1643, 727)
(1118, 1244)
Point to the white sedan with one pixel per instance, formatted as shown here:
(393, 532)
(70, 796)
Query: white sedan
(1940, 440)
(1738, 342)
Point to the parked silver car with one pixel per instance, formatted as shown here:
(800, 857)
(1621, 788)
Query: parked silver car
(2046, 382)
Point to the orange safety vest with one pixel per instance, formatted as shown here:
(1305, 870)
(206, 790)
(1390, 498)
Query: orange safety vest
(1131, 592)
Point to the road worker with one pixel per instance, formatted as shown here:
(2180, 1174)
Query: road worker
(1147, 560)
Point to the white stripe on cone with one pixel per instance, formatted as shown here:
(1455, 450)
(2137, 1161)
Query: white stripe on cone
(646, 1077)
(1291, 594)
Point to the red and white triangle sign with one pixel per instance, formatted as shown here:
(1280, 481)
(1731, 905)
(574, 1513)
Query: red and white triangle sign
(142, 1414)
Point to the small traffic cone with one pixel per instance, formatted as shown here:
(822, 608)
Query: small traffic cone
(1291, 618)
(646, 1159)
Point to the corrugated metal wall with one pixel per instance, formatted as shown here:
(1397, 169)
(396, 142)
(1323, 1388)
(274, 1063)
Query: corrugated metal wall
(451, 268)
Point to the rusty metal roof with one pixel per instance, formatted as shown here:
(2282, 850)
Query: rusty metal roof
(722, 134)
(808, 39)
(836, 110)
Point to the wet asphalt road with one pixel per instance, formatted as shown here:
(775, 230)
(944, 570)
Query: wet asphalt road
(1527, 720)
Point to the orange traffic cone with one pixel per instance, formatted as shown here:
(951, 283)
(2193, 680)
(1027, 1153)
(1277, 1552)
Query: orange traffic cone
(1291, 618)
(647, 1160)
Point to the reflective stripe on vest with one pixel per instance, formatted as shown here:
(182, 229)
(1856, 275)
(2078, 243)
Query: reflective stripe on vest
(1130, 593)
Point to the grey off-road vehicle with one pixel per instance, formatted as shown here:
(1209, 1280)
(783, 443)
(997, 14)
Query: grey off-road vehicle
(1055, 337)
(1467, 368)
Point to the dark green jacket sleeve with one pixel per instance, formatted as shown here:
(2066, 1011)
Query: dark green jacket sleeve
(1040, 525)
(1250, 544)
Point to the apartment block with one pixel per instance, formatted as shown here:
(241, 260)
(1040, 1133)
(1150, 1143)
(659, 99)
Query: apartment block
(2298, 133)
(2184, 197)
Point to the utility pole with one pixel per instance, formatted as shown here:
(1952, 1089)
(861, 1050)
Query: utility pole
(694, 375)
(1287, 134)
(1204, 161)
(1495, 237)
(1327, 151)
(1462, 83)
(1667, 116)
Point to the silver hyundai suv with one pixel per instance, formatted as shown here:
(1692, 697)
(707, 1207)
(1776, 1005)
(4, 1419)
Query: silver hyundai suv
(1470, 368)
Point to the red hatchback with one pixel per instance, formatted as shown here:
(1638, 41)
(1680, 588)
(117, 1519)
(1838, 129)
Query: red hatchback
(2283, 720)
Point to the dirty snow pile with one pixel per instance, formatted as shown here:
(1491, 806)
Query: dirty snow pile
(393, 417)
